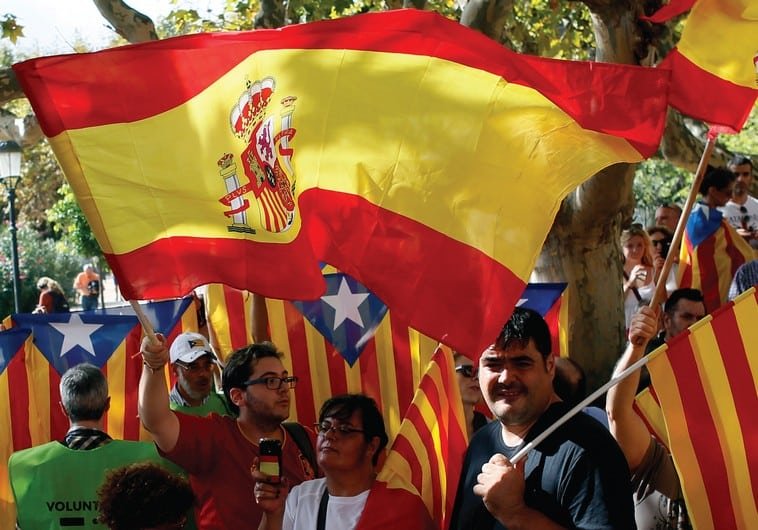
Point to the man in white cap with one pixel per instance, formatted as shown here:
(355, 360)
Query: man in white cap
(193, 363)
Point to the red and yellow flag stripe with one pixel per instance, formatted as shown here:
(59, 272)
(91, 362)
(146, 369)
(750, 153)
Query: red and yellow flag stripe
(427, 454)
(400, 129)
(706, 383)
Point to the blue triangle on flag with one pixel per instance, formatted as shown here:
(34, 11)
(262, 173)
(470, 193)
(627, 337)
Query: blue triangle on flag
(541, 296)
(163, 314)
(347, 315)
(11, 342)
(68, 339)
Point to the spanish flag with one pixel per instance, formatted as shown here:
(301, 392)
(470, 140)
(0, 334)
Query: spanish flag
(713, 65)
(416, 155)
(705, 379)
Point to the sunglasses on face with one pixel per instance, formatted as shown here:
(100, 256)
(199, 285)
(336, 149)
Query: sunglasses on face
(467, 370)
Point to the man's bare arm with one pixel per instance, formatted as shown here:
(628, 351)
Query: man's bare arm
(625, 425)
(154, 410)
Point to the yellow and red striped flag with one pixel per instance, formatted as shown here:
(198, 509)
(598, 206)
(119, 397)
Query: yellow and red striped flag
(17, 415)
(427, 454)
(228, 312)
(713, 65)
(249, 158)
(706, 379)
(648, 407)
(710, 255)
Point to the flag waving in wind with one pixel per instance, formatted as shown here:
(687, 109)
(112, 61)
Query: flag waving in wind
(383, 144)
(713, 65)
(706, 384)
(427, 455)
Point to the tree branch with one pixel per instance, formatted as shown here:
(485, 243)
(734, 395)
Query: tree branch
(127, 21)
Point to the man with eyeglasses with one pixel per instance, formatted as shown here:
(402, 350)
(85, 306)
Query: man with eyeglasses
(742, 209)
(193, 363)
(218, 451)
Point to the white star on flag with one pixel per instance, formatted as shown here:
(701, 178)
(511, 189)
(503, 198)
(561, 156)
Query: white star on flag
(345, 304)
(76, 333)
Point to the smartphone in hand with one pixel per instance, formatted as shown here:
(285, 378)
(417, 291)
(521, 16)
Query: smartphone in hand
(271, 458)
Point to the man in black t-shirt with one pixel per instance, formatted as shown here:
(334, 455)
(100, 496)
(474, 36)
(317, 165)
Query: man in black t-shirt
(576, 478)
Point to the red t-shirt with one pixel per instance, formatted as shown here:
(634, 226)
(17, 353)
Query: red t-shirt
(217, 458)
(394, 509)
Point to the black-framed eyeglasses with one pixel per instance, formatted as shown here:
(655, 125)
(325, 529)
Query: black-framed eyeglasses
(341, 429)
(273, 382)
(467, 370)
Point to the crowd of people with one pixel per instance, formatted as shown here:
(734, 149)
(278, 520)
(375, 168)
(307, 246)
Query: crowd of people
(224, 456)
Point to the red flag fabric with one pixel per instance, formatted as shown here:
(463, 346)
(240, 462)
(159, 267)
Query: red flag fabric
(427, 454)
(706, 382)
(289, 149)
(713, 65)
(710, 255)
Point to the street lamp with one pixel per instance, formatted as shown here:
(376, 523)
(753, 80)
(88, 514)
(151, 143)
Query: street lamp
(10, 174)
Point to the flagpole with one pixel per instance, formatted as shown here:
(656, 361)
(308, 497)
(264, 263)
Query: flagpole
(585, 402)
(147, 326)
(660, 288)
(658, 297)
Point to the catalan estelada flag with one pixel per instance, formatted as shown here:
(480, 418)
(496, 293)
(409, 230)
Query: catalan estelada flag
(705, 379)
(713, 65)
(348, 341)
(420, 157)
(710, 254)
(18, 414)
(427, 454)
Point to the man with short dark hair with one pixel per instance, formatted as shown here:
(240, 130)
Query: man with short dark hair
(576, 478)
(193, 363)
(682, 309)
(742, 209)
(55, 484)
(218, 451)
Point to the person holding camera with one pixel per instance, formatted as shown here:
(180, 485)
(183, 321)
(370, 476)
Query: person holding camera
(87, 284)
(639, 283)
(351, 436)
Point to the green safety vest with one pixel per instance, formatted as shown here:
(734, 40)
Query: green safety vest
(56, 487)
(215, 403)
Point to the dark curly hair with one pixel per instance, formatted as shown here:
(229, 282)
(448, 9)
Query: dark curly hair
(143, 495)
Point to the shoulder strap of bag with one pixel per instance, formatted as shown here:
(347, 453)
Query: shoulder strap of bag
(303, 441)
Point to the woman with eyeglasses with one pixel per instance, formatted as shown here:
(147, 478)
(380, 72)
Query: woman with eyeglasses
(351, 436)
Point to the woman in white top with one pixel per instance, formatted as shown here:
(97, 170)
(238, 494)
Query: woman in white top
(351, 435)
(639, 284)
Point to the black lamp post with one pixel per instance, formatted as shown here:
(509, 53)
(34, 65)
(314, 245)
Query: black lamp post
(10, 174)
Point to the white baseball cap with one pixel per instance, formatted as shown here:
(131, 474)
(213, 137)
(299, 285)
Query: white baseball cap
(189, 347)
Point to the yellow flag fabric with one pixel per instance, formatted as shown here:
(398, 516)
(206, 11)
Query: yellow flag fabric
(416, 155)
(706, 381)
